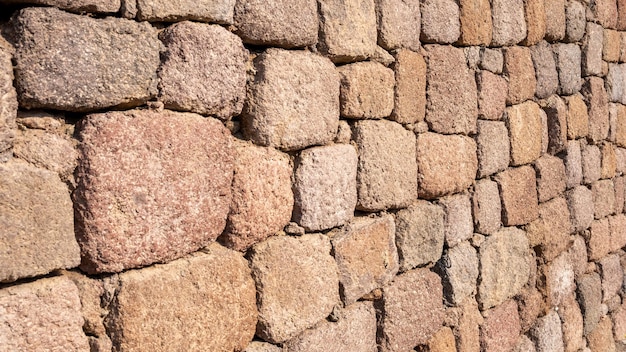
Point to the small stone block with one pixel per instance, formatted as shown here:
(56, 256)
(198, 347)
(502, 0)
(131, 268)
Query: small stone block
(578, 118)
(367, 90)
(492, 92)
(611, 45)
(603, 198)
(410, 88)
(460, 274)
(591, 163)
(580, 204)
(589, 293)
(476, 22)
(509, 24)
(501, 328)
(518, 67)
(551, 230)
(519, 195)
(486, 207)
(575, 21)
(573, 164)
(592, 49)
(525, 131)
(599, 239)
(568, 58)
(545, 70)
(550, 177)
(440, 21)
(399, 24)
(535, 21)
(547, 333)
(220, 11)
(555, 20)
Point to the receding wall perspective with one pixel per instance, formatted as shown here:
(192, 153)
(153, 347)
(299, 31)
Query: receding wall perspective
(302, 175)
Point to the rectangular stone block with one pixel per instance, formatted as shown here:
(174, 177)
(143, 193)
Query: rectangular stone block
(575, 21)
(420, 233)
(262, 196)
(492, 141)
(43, 315)
(460, 273)
(509, 24)
(446, 164)
(525, 131)
(176, 203)
(609, 160)
(347, 29)
(8, 100)
(492, 92)
(559, 282)
(491, 60)
(603, 198)
(399, 24)
(555, 20)
(578, 118)
(572, 318)
(458, 221)
(601, 338)
(501, 328)
(591, 163)
(440, 21)
(611, 45)
(78, 63)
(77, 6)
(550, 172)
(580, 204)
(620, 193)
(294, 101)
(568, 59)
(281, 23)
(410, 88)
(612, 276)
(598, 108)
(367, 90)
(589, 293)
(621, 15)
(604, 12)
(476, 23)
(412, 310)
(486, 207)
(210, 295)
(545, 69)
(556, 113)
(599, 239)
(550, 231)
(547, 333)
(535, 21)
(617, 224)
(617, 131)
(217, 11)
(592, 50)
(387, 167)
(573, 164)
(616, 83)
(518, 67)
(519, 195)
(451, 91)
(366, 256)
(283, 264)
(37, 219)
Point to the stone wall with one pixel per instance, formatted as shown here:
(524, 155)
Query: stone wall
(302, 175)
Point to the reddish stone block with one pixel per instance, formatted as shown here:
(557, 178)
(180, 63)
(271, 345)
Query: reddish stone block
(519, 195)
(572, 327)
(555, 20)
(486, 207)
(367, 90)
(603, 198)
(410, 88)
(492, 92)
(578, 118)
(525, 127)
(501, 328)
(518, 67)
(609, 160)
(550, 177)
(551, 230)
(580, 203)
(467, 327)
(611, 45)
(530, 303)
(605, 12)
(601, 338)
(599, 240)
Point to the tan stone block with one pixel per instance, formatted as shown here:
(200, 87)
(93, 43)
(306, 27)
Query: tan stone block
(530, 303)
(367, 90)
(573, 164)
(545, 69)
(440, 21)
(592, 50)
(578, 118)
(580, 203)
(519, 195)
(601, 338)
(605, 12)
(620, 125)
(622, 52)
(547, 333)
(458, 224)
(486, 209)
(8, 100)
(598, 108)
(611, 45)
(509, 25)
(591, 163)
(399, 24)
(410, 88)
(612, 276)
(599, 241)
(535, 21)
(524, 122)
(555, 20)
(518, 67)
(572, 327)
(476, 23)
(550, 177)
(492, 92)
(603, 198)
(620, 193)
(442, 341)
(609, 160)
(621, 15)
(467, 328)
(551, 230)
(617, 224)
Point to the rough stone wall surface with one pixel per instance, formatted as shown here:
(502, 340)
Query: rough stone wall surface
(313, 175)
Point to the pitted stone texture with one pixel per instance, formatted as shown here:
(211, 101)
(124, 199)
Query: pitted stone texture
(598, 103)
(545, 69)
(399, 24)
(568, 59)
(467, 327)
(578, 117)
(524, 344)
(37, 223)
(203, 71)
(599, 239)
(440, 21)
(56, 56)
(556, 115)
(354, 331)
(620, 125)
(618, 236)
(550, 177)
(476, 22)
(294, 101)
(446, 164)
(609, 160)
(559, 280)
(442, 341)
(591, 163)
(460, 273)
(621, 15)
(486, 207)
(535, 21)
(530, 304)
(619, 183)
(366, 256)
(492, 92)
(325, 186)
(518, 67)
(8, 99)
(575, 21)
(601, 338)
(210, 296)
(491, 60)
(42, 316)
(509, 25)
(90, 292)
(367, 90)
(620, 156)
(611, 45)
(519, 195)
(612, 276)
(410, 88)
(77, 6)
(459, 226)
(555, 20)
(452, 94)
(578, 255)
(551, 230)
(604, 12)
(504, 266)
(592, 50)
(48, 149)
(387, 170)
(347, 30)
(525, 131)
(220, 11)
(547, 333)
(603, 198)
(580, 203)
(619, 324)
(288, 264)
(282, 23)
(258, 346)
(419, 234)
(175, 204)
(615, 83)
(572, 327)
(412, 310)
(501, 328)
(262, 197)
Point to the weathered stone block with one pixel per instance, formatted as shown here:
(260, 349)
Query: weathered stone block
(530, 303)
(77, 63)
(598, 108)
(609, 160)
(460, 273)
(476, 22)
(616, 84)
(491, 60)
(8, 99)
(210, 295)
(619, 324)
(175, 204)
(547, 333)
(204, 70)
(535, 21)
(619, 183)
(202, 11)
(599, 239)
(551, 230)
(525, 131)
(262, 197)
(555, 20)
(621, 15)
(410, 88)
(412, 310)
(518, 67)
(589, 293)
(387, 170)
(451, 91)
(282, 23)
(617, 224)
(580, 204)
(620, 125)
(459, 226)
(519, 195)
(578, 118)
(575, 21)
(442, 341)
(367, 90)
(611, 45)
(603, 198)
(573, 164)
(612, 276)
(419, 234)
(591, 163)
(592, 50)
(258, 346)
(568, 58)
(283, 264)
(545, 70)
(605, 12)
(294, 102)
(366, 256)
(446, 164)
(501, 328)
(399, 24)
(572, 327)
(440, 21)
(42, 315)
(509, 25)
(347, 30)
(467, 326)
(77, 6)
(492, 92)
(486, 207)
(504, 266)
(550, 177)
(38, 223)
(355, 331)
(559, 280)
(601, 338)
(556, 114)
